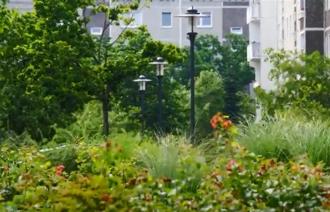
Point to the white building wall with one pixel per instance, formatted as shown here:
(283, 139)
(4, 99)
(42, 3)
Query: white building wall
(263, 30)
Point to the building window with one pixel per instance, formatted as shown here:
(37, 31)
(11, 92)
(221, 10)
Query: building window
(205, 21)
(96, 30)
(236, 30)
(166, 19)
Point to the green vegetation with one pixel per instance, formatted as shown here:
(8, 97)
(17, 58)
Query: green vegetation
(302, 82)
(70, 122)
(288, 136)
(120, 174)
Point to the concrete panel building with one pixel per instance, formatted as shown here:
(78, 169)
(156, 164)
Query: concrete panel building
(296, 25)
(222, 17)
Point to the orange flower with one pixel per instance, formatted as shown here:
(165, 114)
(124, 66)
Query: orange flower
(227, 124)
(59, 170)
(215, 120)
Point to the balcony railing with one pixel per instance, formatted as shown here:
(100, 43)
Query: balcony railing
(253, 51)
(253, 13)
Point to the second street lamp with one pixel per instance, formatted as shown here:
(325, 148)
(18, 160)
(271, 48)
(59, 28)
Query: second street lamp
(142, 82)
(159, 63)
(192, 15)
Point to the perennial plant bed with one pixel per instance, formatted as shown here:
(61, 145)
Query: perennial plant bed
(168, 176)
(236, 181)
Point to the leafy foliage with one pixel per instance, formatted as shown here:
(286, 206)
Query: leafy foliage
(44, 68)
(209, 100)
(229, 60)
(107, 181)
(302, 81)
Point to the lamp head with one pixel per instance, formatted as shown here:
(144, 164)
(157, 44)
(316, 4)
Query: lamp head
(142, 81)
(192, 14)
(160, 64)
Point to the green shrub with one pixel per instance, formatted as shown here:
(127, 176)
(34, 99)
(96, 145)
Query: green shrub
(246, 182)
(237, 181)
(62, 155)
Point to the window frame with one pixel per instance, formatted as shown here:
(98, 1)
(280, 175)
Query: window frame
(92, 31)
(241, 30)
(161, 19)
(200, 21)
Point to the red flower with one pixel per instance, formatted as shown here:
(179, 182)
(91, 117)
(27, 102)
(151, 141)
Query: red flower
(59, 170)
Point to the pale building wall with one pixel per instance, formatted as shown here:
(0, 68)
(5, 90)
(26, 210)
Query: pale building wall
(22, 5)
(264, 30)
(225, 14)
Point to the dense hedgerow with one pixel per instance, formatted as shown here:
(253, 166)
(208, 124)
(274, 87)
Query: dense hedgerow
(112, 176)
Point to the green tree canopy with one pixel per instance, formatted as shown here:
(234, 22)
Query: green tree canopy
(44, 66)
(229, 60)
(302, 81)
(209, 100)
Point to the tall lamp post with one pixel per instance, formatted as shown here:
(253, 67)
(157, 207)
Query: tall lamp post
(192, 15)
(159, 63)
(142, 82)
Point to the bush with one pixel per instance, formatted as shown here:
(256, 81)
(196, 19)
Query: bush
(245, 182)
(209, 100)
(239, 181)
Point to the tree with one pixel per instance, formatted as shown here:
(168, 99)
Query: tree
(45, 66)
(236, 73)
(209, 100)
(229, 60)
(120, 59)
(302, 81)
(137, 50)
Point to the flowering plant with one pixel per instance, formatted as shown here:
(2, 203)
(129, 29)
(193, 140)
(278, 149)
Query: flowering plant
(59, 170)
(223, 126)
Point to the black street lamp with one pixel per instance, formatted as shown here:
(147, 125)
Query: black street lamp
(192, 15)
(142, 81)
(159, 63)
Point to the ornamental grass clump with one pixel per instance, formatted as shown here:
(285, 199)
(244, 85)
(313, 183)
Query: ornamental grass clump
(173, 158)
(288, 136)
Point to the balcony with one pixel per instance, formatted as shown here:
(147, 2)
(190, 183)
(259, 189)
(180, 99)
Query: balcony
(253, 13)
(253, 51)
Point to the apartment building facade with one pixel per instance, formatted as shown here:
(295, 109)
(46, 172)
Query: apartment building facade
(327, 27)
(221, 17)
(296, 25)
